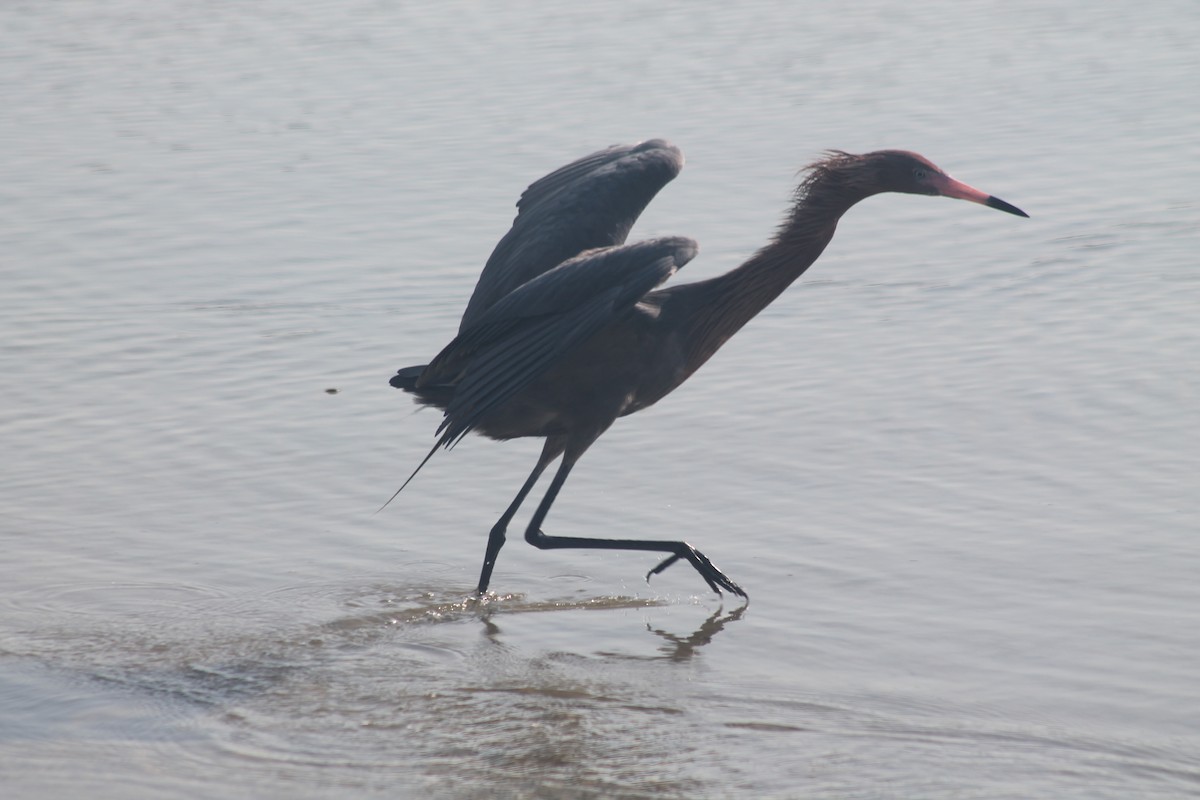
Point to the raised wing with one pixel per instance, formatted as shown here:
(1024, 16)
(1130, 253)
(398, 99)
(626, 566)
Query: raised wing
(522, 335)
(589, 203)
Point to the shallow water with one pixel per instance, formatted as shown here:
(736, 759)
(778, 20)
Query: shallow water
(955, 466)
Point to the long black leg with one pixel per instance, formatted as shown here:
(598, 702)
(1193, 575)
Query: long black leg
(716, 579)
(550, 452)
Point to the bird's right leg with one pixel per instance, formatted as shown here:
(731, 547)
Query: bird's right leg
(715, 579)
(550, 451)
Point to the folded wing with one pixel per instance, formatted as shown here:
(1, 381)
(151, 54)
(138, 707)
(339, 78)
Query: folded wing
(525, 333)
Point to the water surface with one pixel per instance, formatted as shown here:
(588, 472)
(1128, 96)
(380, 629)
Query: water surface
(955, 466)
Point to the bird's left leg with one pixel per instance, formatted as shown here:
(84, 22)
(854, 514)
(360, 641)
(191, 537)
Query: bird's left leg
(550, 451)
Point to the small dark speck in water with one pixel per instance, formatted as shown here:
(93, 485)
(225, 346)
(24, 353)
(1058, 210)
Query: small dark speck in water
(331, 390)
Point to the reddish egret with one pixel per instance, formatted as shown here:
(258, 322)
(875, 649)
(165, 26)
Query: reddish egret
(565, 333)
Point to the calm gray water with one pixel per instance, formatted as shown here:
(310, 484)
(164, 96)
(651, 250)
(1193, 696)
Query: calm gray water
(955, 466)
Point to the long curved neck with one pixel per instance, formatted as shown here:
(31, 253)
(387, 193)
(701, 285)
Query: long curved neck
(722, 305)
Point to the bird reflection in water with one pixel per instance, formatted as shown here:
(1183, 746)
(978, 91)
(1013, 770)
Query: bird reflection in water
(682, 648)
(677, 648)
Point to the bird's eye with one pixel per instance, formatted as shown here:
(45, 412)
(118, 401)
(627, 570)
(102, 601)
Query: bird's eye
(919, 173)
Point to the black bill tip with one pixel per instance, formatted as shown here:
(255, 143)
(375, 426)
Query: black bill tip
(996, 202)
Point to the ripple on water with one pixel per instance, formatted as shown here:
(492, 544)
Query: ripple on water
(106, 598)
(413, 681)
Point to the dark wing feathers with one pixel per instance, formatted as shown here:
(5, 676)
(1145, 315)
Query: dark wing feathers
(515, 362)
(448, 365)
(589, 203)
(568, 174)
(525, 333)
(638, 158)
(579, 279)
(512, 362)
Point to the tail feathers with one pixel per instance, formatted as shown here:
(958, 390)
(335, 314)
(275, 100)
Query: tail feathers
(437, 395)
(406, 378)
